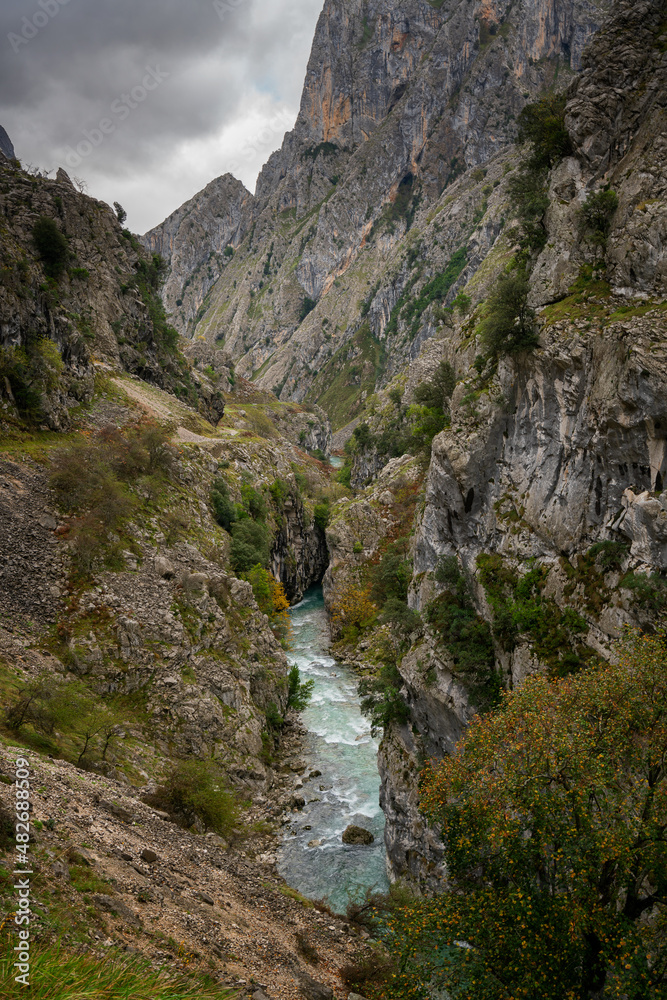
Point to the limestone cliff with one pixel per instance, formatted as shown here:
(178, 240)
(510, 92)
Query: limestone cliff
(400, 100)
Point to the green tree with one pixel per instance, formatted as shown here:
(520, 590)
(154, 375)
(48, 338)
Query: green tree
(121, 214)
(437, 392)
(542, 124)
(250, 545)
(299, 692)
(51, 245)
(508, 326)
(553, 813)
(596, 215)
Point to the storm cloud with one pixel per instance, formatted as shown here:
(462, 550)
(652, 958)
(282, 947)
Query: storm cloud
(148, 100)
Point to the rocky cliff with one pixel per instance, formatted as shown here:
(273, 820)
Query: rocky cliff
(6, 147)
(400, 101)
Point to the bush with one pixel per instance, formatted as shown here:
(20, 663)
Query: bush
(307, 306)
(271, 600)
(508, 326)
(610, 554)
(437, 392)
(253, 502)
(195, 790)
(381, 698)
(250, 545)
(32, 372)
(542, 124)
(51, 245)
(224, 507)
(392, 574)
(552, 816)
(650, 591)
(121, 214)
(299, 692)
(595, 217)
(321, 514)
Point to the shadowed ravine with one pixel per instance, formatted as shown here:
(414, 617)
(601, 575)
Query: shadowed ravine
(339, 745)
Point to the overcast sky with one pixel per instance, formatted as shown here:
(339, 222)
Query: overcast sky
(149, 100)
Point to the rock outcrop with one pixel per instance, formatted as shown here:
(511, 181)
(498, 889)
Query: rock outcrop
(400, 100)
(6, 147)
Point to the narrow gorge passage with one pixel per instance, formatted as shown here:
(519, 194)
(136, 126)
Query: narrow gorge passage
(338, 744)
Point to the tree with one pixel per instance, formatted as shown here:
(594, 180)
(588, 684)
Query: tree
(299, 692)
(553, 813)
(51, 245)
(121, 214)
(437, 392)
(542, 124)
(595, 217)
(508, 325)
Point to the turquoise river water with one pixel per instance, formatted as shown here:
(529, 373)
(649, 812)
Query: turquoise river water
(338, 744)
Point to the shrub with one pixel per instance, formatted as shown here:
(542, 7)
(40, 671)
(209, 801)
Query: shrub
(650, 591)
(610, 554)
(352, 611)
(223, 506)
(436, 393)
(195, 790)
(250, 545)
(396, 612)
(121, 214)
(508, 326)
(595, 217)
(552, 816)
(392, 574)
(271, 600)
(279, 491)
(299, 692)
(32, 373)
(253, 502)
(322, 514)
(307, 306)
(542, 124)
(51, 245)
(381, 698)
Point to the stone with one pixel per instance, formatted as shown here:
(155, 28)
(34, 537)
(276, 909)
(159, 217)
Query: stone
(60, 870)
(80, 856)
(357, 835)
(205, 898)
(123, 855)
(149, 856)
(297, 802)
(164, 568)
(116, 809)
(116, 906)
(311, 989)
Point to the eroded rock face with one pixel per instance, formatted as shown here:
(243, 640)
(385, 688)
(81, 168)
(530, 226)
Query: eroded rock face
(197, 241)
(399, 100)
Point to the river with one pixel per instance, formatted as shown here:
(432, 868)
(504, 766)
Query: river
(338, 744)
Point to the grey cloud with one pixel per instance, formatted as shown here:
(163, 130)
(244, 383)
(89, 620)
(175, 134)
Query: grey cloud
(88, 62)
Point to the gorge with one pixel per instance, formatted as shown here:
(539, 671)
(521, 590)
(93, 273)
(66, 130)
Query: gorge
(424, 368)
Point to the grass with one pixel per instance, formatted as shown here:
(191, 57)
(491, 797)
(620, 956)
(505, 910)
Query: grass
(56, 973)
(351, 371)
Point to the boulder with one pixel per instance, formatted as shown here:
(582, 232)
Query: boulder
(149, 856)
(357, 835)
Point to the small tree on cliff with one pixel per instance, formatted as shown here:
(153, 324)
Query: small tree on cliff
(554, 818)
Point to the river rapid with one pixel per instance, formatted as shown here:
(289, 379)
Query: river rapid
(313, 858)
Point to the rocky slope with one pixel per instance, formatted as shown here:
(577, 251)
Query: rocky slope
(399, 101)
(543, 518)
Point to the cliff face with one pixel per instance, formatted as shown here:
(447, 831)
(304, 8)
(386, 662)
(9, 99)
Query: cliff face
(102, 305)
(197, 241)
(563, 457)
(399, 101)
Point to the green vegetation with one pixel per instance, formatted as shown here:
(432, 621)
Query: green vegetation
(322, 514)
(250, 545)
(56, 973)
(33, 373)
(410, 310)
(51, 246)
(54, 712)
(307, 306)
(542, 126)
(508, 324)
(299, 692)
(121, 214)
(381, 698)
(552, 814)
(97, 481)
(595, 217)
(195, 793)
(464, 634)
(650, 591)
(519, 608)
(350, 372)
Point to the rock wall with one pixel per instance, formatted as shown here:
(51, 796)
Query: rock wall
(299, 556)
(402, 102)
(565, 448)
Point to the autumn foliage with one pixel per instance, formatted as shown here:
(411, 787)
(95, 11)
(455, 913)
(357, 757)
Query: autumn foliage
(554, 817)
(353, 611)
